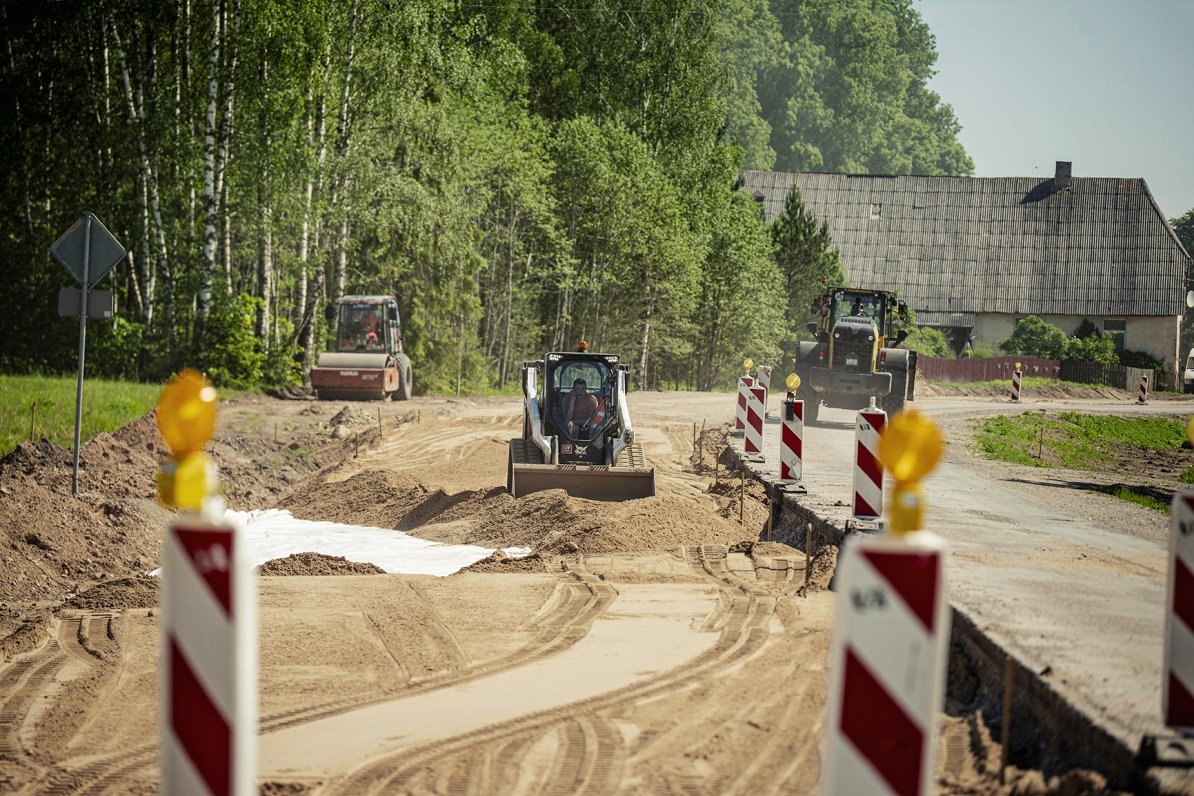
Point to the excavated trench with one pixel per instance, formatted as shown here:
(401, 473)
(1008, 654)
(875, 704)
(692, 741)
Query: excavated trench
(1047, 734)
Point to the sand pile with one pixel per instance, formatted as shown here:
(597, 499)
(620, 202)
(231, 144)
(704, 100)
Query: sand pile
(549, 522)
(135, 592)
(316, 564)
(500, 562)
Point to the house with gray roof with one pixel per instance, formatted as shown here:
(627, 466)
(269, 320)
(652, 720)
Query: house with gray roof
(973, 255)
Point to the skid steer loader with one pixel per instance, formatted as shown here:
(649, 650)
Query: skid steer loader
(576, 431)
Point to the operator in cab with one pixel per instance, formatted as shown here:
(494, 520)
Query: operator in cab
(579, 406)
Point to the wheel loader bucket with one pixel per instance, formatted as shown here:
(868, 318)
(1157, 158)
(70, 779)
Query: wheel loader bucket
(528, 474)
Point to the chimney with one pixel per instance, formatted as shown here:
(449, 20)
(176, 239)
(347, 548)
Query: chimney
(1061, 179)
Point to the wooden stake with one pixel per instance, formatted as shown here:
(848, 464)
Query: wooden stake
(381, 433)
(694, 437)
(1005, 733)
(275, 432)
(32, 420)
(741, 495)
(356, 444)
(770, 517)
(808, 556)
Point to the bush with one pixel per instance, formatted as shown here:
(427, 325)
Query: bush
(233, 353)
(982, 351)
(928, 342)
(1033, 337)
(1141, 359)
(1096, 348)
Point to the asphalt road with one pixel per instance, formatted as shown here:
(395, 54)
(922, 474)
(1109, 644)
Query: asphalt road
(1074, 594)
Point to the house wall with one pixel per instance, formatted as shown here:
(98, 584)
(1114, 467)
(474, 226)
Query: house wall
(1157, 335)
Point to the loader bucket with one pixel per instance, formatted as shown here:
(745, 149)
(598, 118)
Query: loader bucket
(526, 473)
(595, 482)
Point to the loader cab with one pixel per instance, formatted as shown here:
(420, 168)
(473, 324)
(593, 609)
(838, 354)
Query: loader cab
(581, 397)
(368, 324)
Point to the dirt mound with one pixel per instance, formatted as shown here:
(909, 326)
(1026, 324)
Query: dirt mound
(1060, 390)
(500, 562)
(21, 634)
(377, 498)
(137, 592)
(550, 521)
(317, 564)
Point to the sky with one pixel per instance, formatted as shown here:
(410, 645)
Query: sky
(1104, 84)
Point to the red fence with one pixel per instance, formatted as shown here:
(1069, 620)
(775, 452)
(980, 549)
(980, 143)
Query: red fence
(992, 369)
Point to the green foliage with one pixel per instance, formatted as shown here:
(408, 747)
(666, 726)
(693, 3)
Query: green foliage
(1095, 348)
(1035, 338)
(983, 351)
(234, 356)
(1072, 439)
(851, 93)
(107, 405)
(1134, 496)
(805, 253)
(1087, 330)
(517, 175)
(928, 342)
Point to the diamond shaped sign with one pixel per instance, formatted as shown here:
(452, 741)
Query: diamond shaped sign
(105, 251)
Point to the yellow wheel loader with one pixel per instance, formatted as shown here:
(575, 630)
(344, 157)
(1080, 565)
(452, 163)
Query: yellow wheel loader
(853, 358)
(576, 431)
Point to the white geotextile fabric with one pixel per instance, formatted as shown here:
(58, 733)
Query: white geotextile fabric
(275, 533)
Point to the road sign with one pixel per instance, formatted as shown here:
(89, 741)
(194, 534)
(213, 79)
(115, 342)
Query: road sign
(101, 305)
(105, 250)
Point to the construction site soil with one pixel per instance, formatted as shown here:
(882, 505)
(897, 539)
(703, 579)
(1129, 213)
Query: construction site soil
(510, 647)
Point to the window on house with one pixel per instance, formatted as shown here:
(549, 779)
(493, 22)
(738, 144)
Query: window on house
(1118, 330)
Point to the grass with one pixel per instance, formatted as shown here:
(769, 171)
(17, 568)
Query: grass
(107, 406)
(1132, 496)
(1082, 442)
(1028, 382)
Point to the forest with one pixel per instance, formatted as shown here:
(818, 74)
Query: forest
(519, 175)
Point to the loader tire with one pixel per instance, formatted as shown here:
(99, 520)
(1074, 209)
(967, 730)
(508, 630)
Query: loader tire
(893, 402)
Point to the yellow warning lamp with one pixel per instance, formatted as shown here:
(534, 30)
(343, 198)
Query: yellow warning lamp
(909, 448)
(1017, 366)
(1190, 429)
(793, 382)
(747, 364)
(186, 417)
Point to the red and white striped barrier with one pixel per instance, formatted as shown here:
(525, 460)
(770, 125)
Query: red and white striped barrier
(209, 663)
(763, 379)
(744, 384)
(868, 472)
(1177, 687)
(1016, 375)
(791, 442)
(754, 421)
(1142, 398)
(887, 667)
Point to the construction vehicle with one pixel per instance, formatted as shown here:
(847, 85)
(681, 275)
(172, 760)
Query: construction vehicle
(576, 430)
(853, 358)
(367, 362)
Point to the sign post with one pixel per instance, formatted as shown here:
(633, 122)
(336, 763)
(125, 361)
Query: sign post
(87, 251)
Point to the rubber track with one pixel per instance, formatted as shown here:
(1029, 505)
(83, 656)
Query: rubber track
(743, 619)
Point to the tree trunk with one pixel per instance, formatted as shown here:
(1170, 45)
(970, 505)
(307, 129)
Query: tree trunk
(211, 193)
(343, 142)
(265, 260)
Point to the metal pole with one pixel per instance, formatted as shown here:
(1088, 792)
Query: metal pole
(74, 476)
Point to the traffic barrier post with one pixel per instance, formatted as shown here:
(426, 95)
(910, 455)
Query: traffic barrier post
(753, 442)
(1142, 396)
(744, 385)
(1016, 376)
(791, 446)
(891, 636)
(867, 502)
(1177, 686)
(208, 732)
